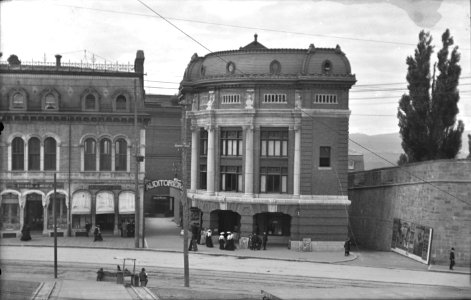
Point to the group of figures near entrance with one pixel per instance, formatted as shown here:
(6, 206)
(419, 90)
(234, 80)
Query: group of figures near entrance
(226, 241)
(257, 243)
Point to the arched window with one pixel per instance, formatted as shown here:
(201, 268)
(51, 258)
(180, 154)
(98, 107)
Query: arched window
(105, 155)
(121, 103)
(18, 100)
(121, 152)
(49, 154)
(50, 102)
(34, 150)
(326, 66)
(90, 155)
(18, 154)
(90, 102)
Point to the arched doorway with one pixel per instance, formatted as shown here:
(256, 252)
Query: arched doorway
(224, 220)
(34, 213)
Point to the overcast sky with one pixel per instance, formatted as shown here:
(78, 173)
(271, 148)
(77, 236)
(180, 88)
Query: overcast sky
(376, 36)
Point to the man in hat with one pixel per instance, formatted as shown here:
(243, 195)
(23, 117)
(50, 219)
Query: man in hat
(264, 240)
(222, 241)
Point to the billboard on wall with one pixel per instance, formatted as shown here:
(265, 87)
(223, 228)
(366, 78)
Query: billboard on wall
(412, 240)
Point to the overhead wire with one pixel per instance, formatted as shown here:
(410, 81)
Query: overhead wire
(374, 153)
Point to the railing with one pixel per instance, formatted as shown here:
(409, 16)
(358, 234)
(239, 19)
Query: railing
(69, 66)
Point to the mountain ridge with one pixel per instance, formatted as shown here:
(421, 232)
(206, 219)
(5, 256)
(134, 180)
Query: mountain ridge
(383, 150)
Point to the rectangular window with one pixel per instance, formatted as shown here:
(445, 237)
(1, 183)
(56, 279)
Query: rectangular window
(324, 157)
(325, 99)
(274, 143)
(273, 180)
(203, 142)
(231, 143)
(105, 155)
(230, 99)
(203, 177)
(231, 179)
(274, 98)
(351, 165)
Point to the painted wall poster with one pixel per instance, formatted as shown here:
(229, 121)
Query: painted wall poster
(412, 240)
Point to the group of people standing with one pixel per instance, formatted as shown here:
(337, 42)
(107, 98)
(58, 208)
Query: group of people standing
(257, 243)
(226, 241)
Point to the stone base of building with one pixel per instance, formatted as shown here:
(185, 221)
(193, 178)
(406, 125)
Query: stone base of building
(316, 246)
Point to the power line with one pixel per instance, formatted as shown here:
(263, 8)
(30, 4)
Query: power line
(243, 27)
(386, 160)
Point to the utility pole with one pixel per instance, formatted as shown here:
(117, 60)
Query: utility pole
(137, 217)
(184, 148)
(54, 216)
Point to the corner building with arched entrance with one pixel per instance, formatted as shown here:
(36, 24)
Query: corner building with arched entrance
(269, 141)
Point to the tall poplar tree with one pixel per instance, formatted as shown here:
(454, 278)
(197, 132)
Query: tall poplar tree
(427, 114)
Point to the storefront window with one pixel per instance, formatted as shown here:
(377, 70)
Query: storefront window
(61, 212)
(10, 213)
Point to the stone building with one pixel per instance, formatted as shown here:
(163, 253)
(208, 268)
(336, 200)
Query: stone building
(269, 141)
(75, 121)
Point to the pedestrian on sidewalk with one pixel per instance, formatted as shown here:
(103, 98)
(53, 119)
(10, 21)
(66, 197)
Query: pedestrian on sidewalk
(222, 241)
(143, 277)
(347, 247)
(452, 258)
(97, 234)
(209, 241)
(25, 233)
(264, 240)
(100, 274)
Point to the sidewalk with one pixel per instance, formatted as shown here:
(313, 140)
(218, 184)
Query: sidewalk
(164, 235)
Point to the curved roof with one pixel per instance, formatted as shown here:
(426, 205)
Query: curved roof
(255, 60)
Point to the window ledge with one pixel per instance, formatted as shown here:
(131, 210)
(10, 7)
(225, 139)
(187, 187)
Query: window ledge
(324, 168)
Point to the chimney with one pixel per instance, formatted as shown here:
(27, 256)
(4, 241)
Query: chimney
(58, 60)
(139, 62)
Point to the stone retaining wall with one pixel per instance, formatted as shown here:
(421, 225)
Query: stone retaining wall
(436, 194)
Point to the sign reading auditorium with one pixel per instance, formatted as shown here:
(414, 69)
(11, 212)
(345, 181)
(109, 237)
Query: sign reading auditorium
(175, 183)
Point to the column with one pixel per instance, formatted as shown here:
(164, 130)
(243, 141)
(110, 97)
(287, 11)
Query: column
(41, 156)
(297, 161)
(194, 158)
(45, 216)
(211, 160)
(248, 161)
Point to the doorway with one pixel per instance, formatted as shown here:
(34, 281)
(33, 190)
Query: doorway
(34, 213)
(106, 222)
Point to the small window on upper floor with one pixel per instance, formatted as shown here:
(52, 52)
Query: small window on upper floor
(18, 101)
(326, 67)
(275, 67)
(90, 102)
(50, 102)
(121, 103)
(324, 157)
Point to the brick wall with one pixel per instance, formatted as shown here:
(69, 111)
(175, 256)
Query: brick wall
(436, 194)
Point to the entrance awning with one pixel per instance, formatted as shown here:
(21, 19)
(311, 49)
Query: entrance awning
(104, 203)
(126, 203)
(81, 203)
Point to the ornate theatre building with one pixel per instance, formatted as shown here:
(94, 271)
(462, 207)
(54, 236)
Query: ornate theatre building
(76, 121)
(269, 141)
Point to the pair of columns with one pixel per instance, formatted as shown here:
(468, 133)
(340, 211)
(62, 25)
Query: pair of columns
(249, 157)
